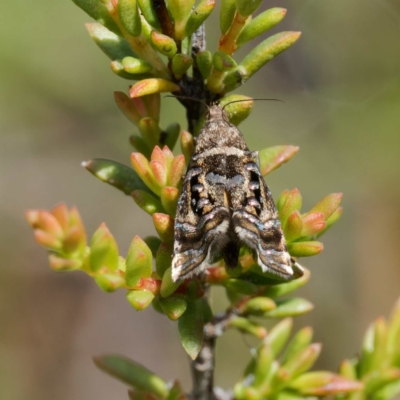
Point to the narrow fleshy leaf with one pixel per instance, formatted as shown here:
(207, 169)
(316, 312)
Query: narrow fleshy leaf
(116, 174)
(153, 243)
(180, 64)
(246, 326)
(153, 105)
(299, 363)
(294, 226)
(147, 9)
(147, 202)
(299, 342)
(171, 135)
(265, 357)
(176, 392)
(260, 24)
(176, 171)
(290, 308)
(163, 258)
(389, 391)
(348, 369)
(227, 14)
(323, 383)
(45, 221)
(198, 15)
(247, 7)
(98, 11)
(223, 62)
(168, 286)
(272, 158)
(60, 264)
(103, 250)
(140, 145)
(132, 373)
(180, 9)
(153, 85)
(164, 225)
(293, 202)
(109, 282)
(129, 16)
(257, 306)
(204, 63)
(285, 288)
(312, 224)
(163, 44)
(113, 46)
(47, 240)
(282, 199)
(118, 69)
(331, 220)
(126, 105)
(279, 335)
(60, 212)
(138, 261)
(140, 299)
(377, 380)
(239, 109)
(150, 131)
(173, 306)
(159, 173)
(142, 167)
(241, 286)
(266, 51)
(190, 327)
(327, 205)
(305, 249)
(169, 199)
(187, 145)
(134, 65)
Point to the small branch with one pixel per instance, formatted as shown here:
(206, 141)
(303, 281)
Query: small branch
(202, 367)
(167, 28)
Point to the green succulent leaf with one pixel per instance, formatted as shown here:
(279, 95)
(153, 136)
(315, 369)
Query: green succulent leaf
(227, 14)
(290, 308)
(173, 306)
(132, 373)
(190, 327)
(260, 24)
(98, 11)
(138, 261)
(247, 7)
(116, 174)
(113, 46)
(103, 250)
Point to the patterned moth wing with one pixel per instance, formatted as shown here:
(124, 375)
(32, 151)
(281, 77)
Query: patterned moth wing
(225, 202)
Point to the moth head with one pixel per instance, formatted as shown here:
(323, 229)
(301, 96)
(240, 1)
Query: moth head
(215, 111)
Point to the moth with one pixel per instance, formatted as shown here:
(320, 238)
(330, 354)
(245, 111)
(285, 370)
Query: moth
(224, 203)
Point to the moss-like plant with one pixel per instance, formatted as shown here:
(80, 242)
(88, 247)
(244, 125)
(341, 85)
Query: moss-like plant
(160, 46)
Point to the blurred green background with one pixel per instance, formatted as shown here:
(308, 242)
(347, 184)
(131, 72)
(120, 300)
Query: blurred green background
(341, 87)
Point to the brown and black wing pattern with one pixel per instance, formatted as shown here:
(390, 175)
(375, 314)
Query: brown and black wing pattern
(225, 202)
(256, 221)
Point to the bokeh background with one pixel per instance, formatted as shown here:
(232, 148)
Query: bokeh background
(341, 87)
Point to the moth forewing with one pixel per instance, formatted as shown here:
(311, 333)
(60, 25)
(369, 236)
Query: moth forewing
(225, 202)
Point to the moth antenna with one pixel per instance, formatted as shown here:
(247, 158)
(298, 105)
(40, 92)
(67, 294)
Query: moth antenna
(239, 101)
(188, 98)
